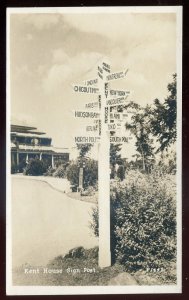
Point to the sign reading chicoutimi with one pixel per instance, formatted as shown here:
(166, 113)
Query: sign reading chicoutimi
(85, 89)
(106, 127)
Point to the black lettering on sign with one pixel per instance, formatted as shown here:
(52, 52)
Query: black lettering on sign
(99, 127)
(99, 101)
(106, 115)
(106, 89)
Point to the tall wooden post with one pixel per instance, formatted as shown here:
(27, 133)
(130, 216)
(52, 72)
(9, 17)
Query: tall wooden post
(104, 183)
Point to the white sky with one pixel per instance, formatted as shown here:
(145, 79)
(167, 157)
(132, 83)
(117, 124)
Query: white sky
(50, 52)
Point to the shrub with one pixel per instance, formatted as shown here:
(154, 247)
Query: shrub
(143, 221)
(50, 171)
(90, 173)
(72, 174)
(60, 171)
(35, 167)
(121, 172)
(90, 191)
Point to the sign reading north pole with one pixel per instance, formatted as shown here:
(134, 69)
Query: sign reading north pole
(104, 122)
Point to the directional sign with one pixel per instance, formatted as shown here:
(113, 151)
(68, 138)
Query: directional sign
(119, 93)
(114, 126)
(120, 139)
(92, 128)
(92, 105)
(117, 101)
(85, 89)
(87, 139)
(106, 67)
(91, 81)
(117, 75)
(118, 117)
(100, 72)
(87, 114)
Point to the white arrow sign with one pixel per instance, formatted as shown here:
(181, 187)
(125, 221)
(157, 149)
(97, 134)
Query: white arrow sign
(117, 75)
(118, 117)
(120, 139)
(114, 126)
(92, 128)
(117, 101)
(87, 114)
(119, 93)
(91, 81)
(85, 89)
(87, 139)
(92, 105)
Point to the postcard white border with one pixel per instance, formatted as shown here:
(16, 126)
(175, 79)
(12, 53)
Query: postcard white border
(90, 290)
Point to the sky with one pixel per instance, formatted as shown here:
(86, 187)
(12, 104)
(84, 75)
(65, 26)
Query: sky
(50, 52)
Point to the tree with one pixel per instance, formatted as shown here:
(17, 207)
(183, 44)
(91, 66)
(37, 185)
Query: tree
(139, 126)
(163, 118)
(83, 149)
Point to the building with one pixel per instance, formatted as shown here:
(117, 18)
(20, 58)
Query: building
(27, 142)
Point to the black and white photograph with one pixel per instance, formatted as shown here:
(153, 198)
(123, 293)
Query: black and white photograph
(94, 112)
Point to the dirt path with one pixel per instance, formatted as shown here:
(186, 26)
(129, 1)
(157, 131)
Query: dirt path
(46, 223)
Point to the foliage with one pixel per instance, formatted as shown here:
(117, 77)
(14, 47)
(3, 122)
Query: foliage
(167, 163)
(60, 171)
(50, 171)
(121, 172)
(89, 191)
(72, 173)
(139, 126)
(35, 167)
(90, 173)
(83, 149)
(143, 220)
(163, 118)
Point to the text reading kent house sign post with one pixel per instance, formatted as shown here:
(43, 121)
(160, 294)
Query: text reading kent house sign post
(104, 121)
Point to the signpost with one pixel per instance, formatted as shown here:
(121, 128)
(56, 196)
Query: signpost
(105, 122)
(117, 75)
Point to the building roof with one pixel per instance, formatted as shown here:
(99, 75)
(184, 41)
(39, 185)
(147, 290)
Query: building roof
(25, 129)
(28, 134)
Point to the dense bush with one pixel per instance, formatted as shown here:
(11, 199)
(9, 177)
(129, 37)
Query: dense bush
(35, 167)
(143, 220)
(121, 172)
(90, 173)
(60, 171)
(50, 171)
(72, 173)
